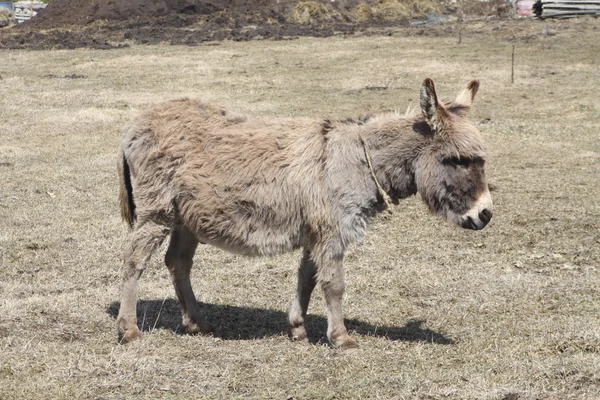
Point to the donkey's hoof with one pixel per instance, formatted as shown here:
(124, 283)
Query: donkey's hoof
(344, 342)
(130, 335)
(203, 328)
(298, 333)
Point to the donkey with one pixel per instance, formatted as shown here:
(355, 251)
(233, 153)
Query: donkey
(263, 186)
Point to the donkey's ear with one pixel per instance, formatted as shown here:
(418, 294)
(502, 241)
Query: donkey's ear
(432, 110)
(466, 96)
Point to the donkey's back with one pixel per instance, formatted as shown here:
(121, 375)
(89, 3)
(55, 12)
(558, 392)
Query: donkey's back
(247, 185)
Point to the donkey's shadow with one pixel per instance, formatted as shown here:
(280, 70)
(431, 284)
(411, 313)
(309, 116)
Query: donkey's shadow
(247, 323)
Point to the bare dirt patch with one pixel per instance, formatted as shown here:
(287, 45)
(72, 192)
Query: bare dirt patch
(440, 313)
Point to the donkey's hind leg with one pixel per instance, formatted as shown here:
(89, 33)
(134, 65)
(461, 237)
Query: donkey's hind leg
(179, 260)
(146, 238)
(306, 283)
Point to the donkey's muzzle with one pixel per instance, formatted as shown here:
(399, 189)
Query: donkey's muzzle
(480, 213)
(478, 223)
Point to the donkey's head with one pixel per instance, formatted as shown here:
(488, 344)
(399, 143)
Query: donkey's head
(450, 171)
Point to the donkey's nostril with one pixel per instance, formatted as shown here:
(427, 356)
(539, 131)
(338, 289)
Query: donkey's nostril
(468, 223)
(485, 216)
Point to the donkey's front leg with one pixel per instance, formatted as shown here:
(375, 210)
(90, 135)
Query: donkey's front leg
(307, 280)
(331, 277)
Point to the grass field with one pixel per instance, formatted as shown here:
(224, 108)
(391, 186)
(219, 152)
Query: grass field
(512, 312)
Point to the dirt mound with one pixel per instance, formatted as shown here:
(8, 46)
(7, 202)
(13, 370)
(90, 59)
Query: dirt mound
(61, 13)
(114, 23)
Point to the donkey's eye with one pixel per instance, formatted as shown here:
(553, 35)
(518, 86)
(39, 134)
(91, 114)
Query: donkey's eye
(458, 162)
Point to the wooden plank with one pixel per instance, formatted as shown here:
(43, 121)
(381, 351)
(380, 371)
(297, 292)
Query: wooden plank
(565, 16)
(570, 13)
(569, 2)
(549, 13)
(586, 7)
(569, 7)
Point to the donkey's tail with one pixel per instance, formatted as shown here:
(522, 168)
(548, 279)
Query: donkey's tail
(126, 192)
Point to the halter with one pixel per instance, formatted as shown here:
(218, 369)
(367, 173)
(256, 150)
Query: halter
(386, 198)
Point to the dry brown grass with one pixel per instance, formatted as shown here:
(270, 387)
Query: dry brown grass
(5, 17)
(309, 12)
(394, 10)
(508, 313)
(490, 8)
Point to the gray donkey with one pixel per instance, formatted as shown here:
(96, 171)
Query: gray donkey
(262, 186)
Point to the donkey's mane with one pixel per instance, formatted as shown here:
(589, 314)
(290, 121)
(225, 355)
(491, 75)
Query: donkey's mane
(328, 124)
(409, 114)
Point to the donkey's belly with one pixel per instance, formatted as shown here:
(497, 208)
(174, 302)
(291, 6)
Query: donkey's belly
(246, 213)
(265, 242)
(239, 231)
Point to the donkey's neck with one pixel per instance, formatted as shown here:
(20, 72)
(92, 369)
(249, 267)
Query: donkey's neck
(393, 147)
(394, 143)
